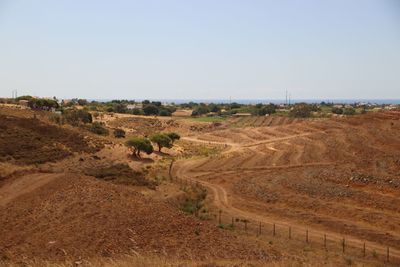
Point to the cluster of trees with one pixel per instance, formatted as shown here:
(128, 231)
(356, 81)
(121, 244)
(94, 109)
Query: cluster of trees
(229, 109)
(154, 108)
(39, 103)
(345, 111)
(144, 144)
(76, 116)
(303, 110)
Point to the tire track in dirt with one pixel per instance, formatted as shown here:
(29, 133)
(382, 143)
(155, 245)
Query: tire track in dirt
(24, 185)
(221, 201)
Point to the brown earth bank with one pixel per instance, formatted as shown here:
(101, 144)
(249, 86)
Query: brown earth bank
(72, 217)
(31, 141)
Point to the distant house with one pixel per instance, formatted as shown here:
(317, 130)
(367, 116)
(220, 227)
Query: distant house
(134, 106)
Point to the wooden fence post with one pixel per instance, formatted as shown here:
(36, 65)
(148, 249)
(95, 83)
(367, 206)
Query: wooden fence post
(387, 254)
(364, 250)
(324, 240)
(343, 245)
(170, 170)
(307, 235)
(273, 231)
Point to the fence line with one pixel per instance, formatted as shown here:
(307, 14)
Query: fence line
(295, 233)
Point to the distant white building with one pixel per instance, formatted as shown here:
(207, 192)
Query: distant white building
(133, 106)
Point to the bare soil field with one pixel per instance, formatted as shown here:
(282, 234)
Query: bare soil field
(339, 176)
(67, 196)
(28, 141)
(72, 217)
(70, 200)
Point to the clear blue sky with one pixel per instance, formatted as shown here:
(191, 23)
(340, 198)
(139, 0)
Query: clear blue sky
(201, 49)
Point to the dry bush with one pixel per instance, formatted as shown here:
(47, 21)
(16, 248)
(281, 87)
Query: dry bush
(121, 174)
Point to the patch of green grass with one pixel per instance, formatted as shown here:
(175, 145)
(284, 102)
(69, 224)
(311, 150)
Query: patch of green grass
(226, 226)
(208, 119)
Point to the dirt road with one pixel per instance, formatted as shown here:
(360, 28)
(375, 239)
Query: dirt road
(187, 169)
(24, 185)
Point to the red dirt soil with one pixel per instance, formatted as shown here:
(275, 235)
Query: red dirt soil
(31, 141)
(339, 175)
(79, 216)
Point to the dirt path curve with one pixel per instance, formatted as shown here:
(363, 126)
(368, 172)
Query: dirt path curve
(23, 185)
(183, 170)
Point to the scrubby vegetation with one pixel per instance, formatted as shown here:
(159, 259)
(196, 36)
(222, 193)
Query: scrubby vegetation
(30, 141)
(119, 133)
(98, 128)
(121, 174)
(193, 200)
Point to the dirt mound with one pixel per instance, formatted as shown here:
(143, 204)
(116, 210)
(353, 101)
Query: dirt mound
(29, 141)
(79, 216)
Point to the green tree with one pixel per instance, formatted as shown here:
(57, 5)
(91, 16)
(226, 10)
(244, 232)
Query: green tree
(77, 116)
(301, 110)
(268, 109)
(98, 128)
(337, 110)
(349, 111)
(214, 108)
(139, 144)
(173, 136)
(120, 108)
(44, 104)
(200, 110)
(164, 112)
(150, 109)
(162, 140)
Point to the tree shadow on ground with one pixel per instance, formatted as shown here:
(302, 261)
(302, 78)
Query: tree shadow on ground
(142, 159)
(160, 153)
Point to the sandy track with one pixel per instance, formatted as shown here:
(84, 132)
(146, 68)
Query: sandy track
(24, 185)
(221, 201)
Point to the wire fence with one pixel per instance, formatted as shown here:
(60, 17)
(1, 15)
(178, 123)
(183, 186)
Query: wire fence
(347, 246)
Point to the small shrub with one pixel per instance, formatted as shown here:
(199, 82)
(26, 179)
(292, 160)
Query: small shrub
(336, 110)
(194, 200)
(121, 174)
(98, 128)
(301, 110)
(349, 111)
(119, 133)
(76, 117)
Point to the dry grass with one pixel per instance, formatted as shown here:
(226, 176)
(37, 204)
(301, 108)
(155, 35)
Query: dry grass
(151, 261)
